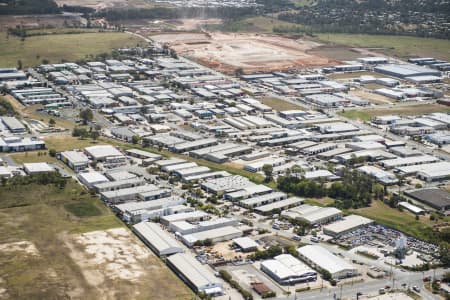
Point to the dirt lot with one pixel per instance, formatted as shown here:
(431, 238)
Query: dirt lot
(65, 244)
(372, 97)
(252, 52)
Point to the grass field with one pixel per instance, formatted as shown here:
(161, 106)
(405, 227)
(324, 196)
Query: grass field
(400, 46)
(55, 48)
(368, 114)
(279, 104)
(36, 262)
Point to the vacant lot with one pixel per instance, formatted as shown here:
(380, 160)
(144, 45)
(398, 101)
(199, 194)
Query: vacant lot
(58, 47)
(279, 104)
(400, 46)
(51, 237)
(412, 110)
(252, 52)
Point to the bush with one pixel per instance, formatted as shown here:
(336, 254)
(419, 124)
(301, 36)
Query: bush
(52, 152)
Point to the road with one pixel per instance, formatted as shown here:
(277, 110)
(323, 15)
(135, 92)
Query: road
(371, 287)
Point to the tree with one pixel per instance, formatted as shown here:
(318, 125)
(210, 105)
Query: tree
(52, 152)
(135, 139)
(238, 72)
(268, 170)
(95, 135)
(86, 115)
(52, 122)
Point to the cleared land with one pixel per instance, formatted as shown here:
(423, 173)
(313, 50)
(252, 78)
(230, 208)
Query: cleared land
(400, 46)
(368, 114)
(279, 104)
(252, 52)
(51, 237)
(58, 47)
(102, 4)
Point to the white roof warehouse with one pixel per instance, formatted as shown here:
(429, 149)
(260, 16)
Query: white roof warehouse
(157, 239)
(320, 258)
(198, 277)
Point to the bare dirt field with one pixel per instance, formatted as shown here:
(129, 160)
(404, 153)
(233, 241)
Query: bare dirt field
(372, 97)
(114, 256)
(227, 52)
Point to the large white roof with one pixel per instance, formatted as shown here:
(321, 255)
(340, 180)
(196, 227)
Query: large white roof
(325, 259)
(158, 238)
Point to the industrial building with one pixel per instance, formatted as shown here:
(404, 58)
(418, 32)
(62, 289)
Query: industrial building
(215, 235)
(322, 259)
(20, 144)
(198, 277)
(89, 179)
(347, 224)
(279, 205)
(197, 215)
(433, 197)
(36, 168)
(313, 214)
(75, 160)
(405, 70)
(157, 239)
(246, 244)
(13, 125)
(288, 270)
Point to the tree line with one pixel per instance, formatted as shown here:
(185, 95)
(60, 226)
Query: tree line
(354, 190)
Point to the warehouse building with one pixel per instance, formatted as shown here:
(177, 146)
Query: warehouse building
(193, 145)
(157, 239)
(215, 235)
(127, 193)
(322, 259)
(75, 160)
(288, 270)
(20, 144)
(408, 161)
(36, 168)
(14, 125)
(279, 206)
(263, 199)
(89, 179)
(347, 224)
(107, 154)
(246, 244)
(406, 70)
(118, 184)
(433, 197)
(313, 214)
(198, 277)
(183, 227)
(225, 184)
(197, 215)
(133, 212)
(384, 177)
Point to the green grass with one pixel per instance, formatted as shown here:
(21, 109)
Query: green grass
(403, 221)
(412, 110)
(400, 46)
(83, 209)
(55, 48)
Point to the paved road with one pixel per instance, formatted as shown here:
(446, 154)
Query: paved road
(370, 288)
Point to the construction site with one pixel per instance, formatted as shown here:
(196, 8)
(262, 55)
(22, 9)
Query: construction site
(227, 52)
